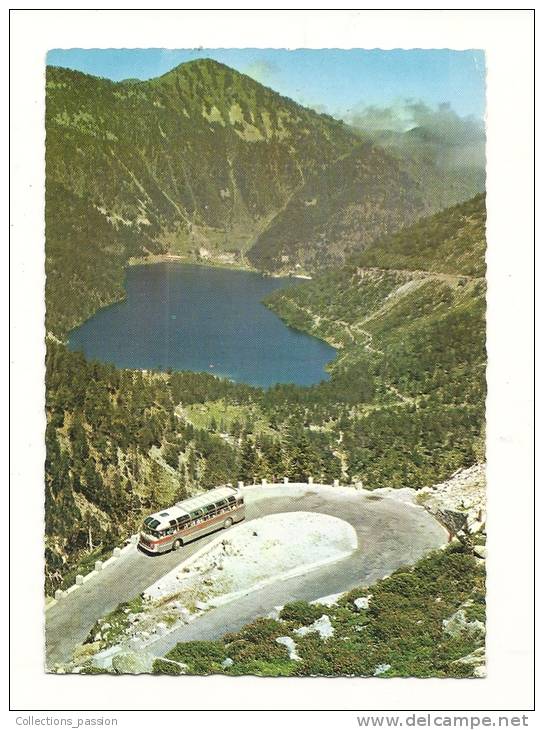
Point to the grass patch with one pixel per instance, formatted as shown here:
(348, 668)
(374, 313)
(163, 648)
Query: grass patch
(225, 417)
(111, 627)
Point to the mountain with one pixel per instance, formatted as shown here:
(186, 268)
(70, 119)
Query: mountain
(204, 162)
(416, 325)
(366, 194)
(456, 149)
(450, 242)
(404, 406)
(200, 158)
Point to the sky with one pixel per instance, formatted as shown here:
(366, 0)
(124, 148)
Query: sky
(336, 81)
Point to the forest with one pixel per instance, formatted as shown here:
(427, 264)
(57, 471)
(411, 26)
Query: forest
(404, 406)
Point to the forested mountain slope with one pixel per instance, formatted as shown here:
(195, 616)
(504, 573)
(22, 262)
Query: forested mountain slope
(201, 157)
(420, 333)
(450, 242)
(198, 163)
(404, 405)
(369, 193)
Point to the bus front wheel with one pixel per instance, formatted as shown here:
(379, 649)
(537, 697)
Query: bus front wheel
(177, 544)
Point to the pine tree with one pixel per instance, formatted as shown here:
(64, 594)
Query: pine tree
(248, 461)
(300, 456)
(78, 441)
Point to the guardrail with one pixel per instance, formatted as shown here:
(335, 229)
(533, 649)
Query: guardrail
(99, 566)
(118, 552)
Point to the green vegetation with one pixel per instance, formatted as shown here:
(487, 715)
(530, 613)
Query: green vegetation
(200, 158)
(110, 629)
(401, 634)
(116, 451)
(450, 242)
(353, 203)
(204, 162)
(404, 405)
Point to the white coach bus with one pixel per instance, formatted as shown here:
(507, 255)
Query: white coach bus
(175, 526)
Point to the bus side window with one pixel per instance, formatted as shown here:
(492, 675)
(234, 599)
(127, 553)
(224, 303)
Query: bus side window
(196, 517)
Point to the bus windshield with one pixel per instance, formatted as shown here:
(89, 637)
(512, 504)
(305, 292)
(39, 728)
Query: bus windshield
(151, 522)
(149, 530)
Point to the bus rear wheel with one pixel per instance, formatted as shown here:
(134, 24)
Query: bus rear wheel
(227, 523)
(177, 544)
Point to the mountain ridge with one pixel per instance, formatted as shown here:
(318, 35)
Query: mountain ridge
(206, 163)
(170, 167)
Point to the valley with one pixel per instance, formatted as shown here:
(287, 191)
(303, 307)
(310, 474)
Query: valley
(205, 170)
(409, 376)
(179, 316)
(205, 163)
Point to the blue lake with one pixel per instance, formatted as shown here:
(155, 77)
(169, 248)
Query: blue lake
(186, 317)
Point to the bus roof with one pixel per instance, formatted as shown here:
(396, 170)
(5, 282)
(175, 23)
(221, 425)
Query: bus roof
(201, 500)
(187, 506)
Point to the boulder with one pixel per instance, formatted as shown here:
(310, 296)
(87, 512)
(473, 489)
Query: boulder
(457, 624)
(321, 626)
(361, 604)
(291, 647)
(131, 662)
(381, 669)
(480, 551)
(226, 663)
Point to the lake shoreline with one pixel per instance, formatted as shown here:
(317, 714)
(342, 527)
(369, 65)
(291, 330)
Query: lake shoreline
(211, 304)
(167, 258)
(211, 263)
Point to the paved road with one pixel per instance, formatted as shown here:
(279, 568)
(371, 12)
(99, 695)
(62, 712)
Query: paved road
(390, 534)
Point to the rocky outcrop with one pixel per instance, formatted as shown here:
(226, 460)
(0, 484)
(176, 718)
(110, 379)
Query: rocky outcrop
(459, 624)
(459, 502)
(476, 660)
(130, 662)
(361, 604)
(321, 626)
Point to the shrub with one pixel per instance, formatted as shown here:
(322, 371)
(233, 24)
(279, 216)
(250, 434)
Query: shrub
(334, 657)
(259, 630)
(160, 666)
(301, 613)
(257, 641)
(263, 668)
(201, 657)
